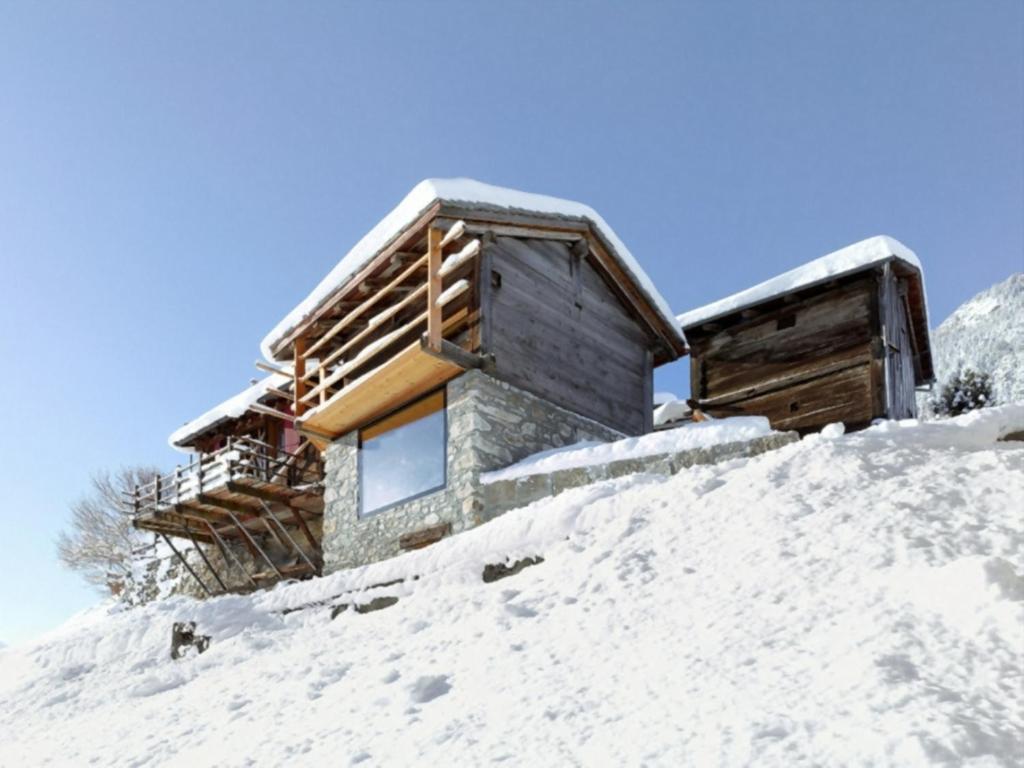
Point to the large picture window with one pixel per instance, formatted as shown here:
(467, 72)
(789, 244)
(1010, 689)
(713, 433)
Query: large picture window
(403, 455)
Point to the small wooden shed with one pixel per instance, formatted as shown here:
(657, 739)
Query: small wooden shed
(842, 338)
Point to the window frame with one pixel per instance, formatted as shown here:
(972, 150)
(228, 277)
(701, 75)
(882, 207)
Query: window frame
(365, 515)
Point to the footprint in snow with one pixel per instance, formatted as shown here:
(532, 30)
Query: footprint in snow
(429, 688)
(329, 677)
(153, 685)
(522, 611)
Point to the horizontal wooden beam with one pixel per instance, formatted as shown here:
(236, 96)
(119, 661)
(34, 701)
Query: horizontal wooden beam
(366, 305)
(453, 353)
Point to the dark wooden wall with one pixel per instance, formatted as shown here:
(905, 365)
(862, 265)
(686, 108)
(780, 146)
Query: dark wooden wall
(803, 364)
(901, 402)
(558, 330)
(843, 352)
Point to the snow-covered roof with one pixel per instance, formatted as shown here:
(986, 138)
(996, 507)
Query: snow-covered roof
(852, 258)
(471, 193)
(231, 408)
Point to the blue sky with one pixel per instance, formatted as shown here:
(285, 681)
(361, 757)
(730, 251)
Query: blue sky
(175, 177)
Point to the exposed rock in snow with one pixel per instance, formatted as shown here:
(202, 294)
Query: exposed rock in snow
(853, 600)
(985, 333)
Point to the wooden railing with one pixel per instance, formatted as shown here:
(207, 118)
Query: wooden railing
(411, 301)
(241, 458)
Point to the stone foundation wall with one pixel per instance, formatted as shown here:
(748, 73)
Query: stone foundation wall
(491, 425)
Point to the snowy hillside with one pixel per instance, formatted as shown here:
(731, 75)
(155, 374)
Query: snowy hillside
(986, 333)
(844, 600)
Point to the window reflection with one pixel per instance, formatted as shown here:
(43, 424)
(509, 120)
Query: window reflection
(402, 455)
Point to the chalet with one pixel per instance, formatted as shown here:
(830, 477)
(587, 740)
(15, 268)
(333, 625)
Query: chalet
(473, 326)
(252, 492)
(843, 338)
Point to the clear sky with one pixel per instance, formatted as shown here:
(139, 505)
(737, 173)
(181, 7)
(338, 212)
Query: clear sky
(175, 177)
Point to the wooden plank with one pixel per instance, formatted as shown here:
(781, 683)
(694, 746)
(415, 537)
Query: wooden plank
(453, 353)
(272, 369)
(184, 562)
(373, 326)
(368, 304)
(342, 371)
(299, 385)
(253, 545)
(434, 255)
(209, 566)
(230, 555)
(424, 537)
(808, 406)
(410, 373)
(398, 243)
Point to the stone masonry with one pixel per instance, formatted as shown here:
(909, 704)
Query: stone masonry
(491, 425)
(504, 495)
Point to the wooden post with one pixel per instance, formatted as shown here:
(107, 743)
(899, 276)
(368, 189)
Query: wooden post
(299, 372)
(188, 567)
(287, 535)
(252, 543)
(323, 392)
(206, 560)
(434, 237)
(157, 492)
(229, 555)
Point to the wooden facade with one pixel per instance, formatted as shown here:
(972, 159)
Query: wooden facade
(537, 301)
(852, 349)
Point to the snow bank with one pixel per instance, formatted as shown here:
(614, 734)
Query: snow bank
(854, 600)
(231, 408)
(852, 258)
(472, 193)
(698, 435)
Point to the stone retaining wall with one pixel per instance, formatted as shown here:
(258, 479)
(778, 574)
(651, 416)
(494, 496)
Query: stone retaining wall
(504, 495)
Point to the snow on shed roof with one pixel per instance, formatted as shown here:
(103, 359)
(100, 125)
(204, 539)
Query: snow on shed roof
(473, 193)
(852, 258)
(231, 408)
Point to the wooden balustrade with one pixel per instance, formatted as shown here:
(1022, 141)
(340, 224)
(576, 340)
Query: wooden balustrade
(322, 368)
(243, 457)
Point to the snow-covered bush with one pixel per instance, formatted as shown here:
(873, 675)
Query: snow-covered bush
(966, 390)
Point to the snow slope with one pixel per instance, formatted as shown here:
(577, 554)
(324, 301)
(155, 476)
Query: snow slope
(986, 333)
(853, 600)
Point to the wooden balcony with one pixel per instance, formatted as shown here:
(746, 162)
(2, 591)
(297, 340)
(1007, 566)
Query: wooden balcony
(394, 334)
(245, 492)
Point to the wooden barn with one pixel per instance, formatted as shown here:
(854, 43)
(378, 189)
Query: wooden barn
(843, 338)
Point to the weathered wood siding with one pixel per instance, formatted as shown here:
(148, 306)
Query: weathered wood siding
(901, 402)
(558, 330)
(802, 365)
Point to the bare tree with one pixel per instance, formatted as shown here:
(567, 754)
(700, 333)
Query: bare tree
(100, 540)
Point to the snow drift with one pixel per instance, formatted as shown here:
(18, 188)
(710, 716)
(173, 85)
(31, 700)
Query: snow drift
(848, 599)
